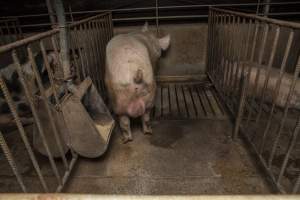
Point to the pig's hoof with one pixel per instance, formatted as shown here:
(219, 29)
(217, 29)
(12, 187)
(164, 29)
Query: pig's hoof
(147, 131)
(127, 139)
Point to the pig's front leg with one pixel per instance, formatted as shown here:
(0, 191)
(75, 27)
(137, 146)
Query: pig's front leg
(125, 128)
(146, 122)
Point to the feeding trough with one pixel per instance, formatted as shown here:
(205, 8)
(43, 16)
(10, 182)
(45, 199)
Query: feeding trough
(88, 120)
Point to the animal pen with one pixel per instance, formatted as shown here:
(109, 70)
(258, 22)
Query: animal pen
(239, 117)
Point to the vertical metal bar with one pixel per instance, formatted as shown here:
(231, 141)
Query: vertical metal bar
(63, 39)
(50, 74)
(297, 185)
(85, 50)
(213, 50)
(270, 64)
(222, 57)
(13, 110)
(239, 49)
(111, 25)
(276, 93)
(101, 54)
(156, 18)
(54, 45)
(8, 32)
(255, 87)
(98, 57)
(292, 144)
(49, 113)
(80, 49)
(51, 13)
(240, 112)
(11, 161)
(35, 115)
(73, 52)
(207, 61)
(71, 13)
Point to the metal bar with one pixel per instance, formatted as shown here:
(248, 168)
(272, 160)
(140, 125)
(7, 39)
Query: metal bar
(255, 87)
(22, 132)
(68, 172)
(276, 92)
(51, 13)
(25, 41)
(249, 71)
(56, 51)
(292, 144)
(63, 39)
(11, 160)
(156, 15)
(270, 64)
(262, 19)
(297, 185)
(243, 96)
(80, 51)
(35, 115)
(45, 99)
(49, 71)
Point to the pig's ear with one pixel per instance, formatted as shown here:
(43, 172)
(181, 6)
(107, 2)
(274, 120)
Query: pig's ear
(145, 27)
(164, 42)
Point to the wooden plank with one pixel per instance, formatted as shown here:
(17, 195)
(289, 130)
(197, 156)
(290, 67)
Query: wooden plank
(189, 102)
(181, 102)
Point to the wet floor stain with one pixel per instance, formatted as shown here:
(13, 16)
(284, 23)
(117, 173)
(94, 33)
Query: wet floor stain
(167, 136)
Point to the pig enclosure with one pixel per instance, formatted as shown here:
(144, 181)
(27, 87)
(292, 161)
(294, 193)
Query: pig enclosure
(204, 102)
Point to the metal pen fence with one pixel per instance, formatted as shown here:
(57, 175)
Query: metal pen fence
(10, 30)
(254, 64)
(88, 39)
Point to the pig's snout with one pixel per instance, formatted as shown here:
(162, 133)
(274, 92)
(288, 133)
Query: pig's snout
(136, 108)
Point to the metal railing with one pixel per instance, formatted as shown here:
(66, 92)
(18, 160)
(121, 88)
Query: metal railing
(10, 30)
(158, 12)
(88, 43)
(88, 39)
(254, 64)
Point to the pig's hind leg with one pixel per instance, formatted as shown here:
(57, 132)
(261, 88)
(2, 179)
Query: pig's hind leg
(125, 128)
(146, 122)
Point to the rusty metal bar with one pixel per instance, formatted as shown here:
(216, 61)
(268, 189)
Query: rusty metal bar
(11, 160)
(276, 93)
(255, 87)
(292, 25)
(292, 143)
(22, 132)
(35, 115)
(80, 51)
(63, 40)
(45, 99)
(240, 112)
(270, 64)
(19, 43)
(49, 71)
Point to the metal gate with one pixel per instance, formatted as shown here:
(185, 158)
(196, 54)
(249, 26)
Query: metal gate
(254, 64)
(45, 145)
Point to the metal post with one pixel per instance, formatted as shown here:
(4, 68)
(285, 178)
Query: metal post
(267, 8)
(63, 38)
(156, 14)
(51, 13)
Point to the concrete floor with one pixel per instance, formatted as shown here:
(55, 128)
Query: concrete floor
(181, 157)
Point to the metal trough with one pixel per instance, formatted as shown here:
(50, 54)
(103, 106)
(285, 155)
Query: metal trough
(88, 120)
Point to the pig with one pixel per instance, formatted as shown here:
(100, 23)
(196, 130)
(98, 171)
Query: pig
(284, 89)
(131, 61)
(11, 78)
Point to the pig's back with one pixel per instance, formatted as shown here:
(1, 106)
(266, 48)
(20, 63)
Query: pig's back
(125, 55)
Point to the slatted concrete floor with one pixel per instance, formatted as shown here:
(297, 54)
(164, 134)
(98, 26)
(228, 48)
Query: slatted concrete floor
(187, 101)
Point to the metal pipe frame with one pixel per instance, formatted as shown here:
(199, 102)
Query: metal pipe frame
(224, 37)
(89, 38)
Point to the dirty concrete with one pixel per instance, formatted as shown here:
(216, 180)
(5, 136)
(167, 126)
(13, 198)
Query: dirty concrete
(181, 157)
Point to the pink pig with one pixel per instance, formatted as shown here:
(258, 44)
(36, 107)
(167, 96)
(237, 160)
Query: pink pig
(129, 76)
